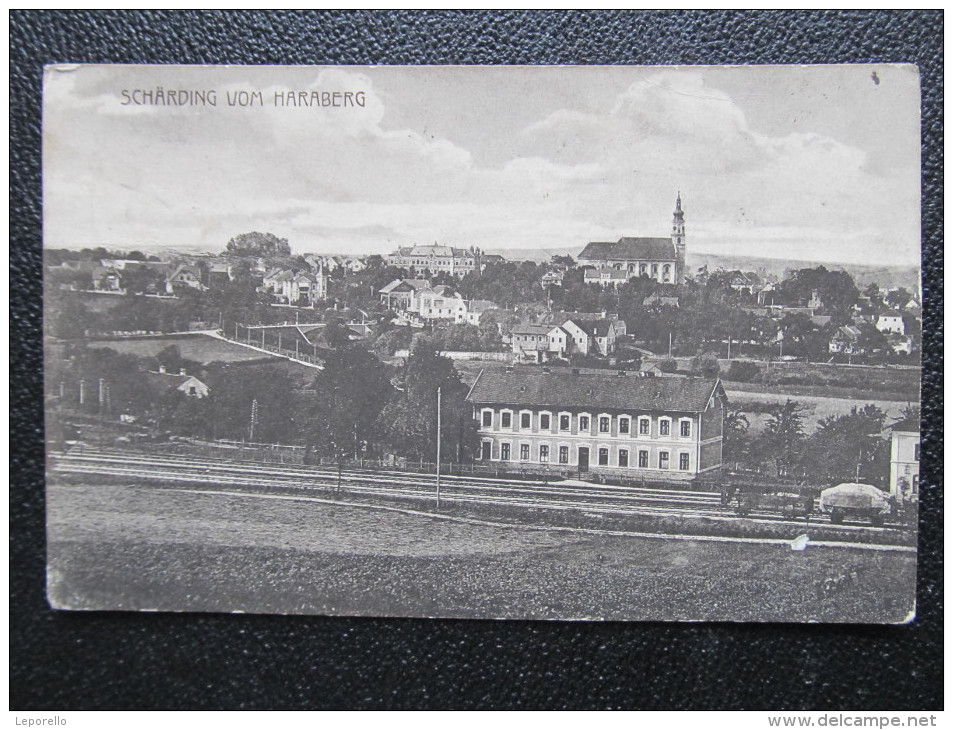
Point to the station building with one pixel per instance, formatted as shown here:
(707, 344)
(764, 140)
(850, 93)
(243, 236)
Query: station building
(605, 422)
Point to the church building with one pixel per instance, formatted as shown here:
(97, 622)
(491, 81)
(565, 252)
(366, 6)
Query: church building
(662, 259)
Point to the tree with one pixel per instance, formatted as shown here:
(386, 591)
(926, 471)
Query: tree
(898, 298)
(258, 244)
(850, 448)
(410, 419)
(783, 438)
(736, 444)
(351, 392)
(668, 365)
(706, 365)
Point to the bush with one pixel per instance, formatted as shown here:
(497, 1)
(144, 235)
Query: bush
(668, 365)
(742, 371)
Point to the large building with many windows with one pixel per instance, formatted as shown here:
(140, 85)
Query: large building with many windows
(611, 423)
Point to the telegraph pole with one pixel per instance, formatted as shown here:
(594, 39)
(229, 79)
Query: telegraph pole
(254, 420)
(438, 448)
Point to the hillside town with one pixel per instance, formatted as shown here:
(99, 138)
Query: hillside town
(613, 363)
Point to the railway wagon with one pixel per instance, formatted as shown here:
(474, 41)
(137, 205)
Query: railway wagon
(783, 500)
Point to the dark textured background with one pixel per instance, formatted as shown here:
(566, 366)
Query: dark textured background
(115, 660)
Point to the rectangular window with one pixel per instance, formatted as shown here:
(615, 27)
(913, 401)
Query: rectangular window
(603, 457)
(544, 453)
(604, 422)
(487, 419)
(623, 425)
(563, 454)
(663, 460)
(683, 462)
(506, 419)
(686, 428)
(643, 459)
(916, 452)
(564, 423)
(623, 457)
(644, 426)
(524, 452)
(583, 423)
(544, 422)
(663, 427)
(505, 452)
(525, 420)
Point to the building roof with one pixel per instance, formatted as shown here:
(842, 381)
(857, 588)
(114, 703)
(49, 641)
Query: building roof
(405, 285)
(595, 390)
(539, 330)
(606, 272)
(478, 306)
(593, 327)
(911, 424)
(630, 249)
(433, 250)
(661, 301)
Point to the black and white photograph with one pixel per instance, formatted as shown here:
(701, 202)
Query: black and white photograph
(610, 343)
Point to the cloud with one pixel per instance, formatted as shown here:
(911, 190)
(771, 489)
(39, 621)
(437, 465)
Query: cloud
(572, 174)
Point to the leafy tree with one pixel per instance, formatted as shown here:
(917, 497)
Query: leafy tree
(844, 447)
(898, 298)
(566, 261)
(706, 365)
(736, 444)
(258, 244)
(836, 289)
(742, 371)
(668, 365)
(396, 339)
(783, 438)
(410, 419)
(351, 392)
(234, 389)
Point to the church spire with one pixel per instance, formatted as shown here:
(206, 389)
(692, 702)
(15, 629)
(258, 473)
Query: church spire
(678, 238)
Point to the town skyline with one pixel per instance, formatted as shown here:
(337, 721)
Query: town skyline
(525, 158)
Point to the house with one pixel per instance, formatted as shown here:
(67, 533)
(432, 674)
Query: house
(604, 276)
(614, 424)
(184, 275)
(551, 278)
(767, 294)
(476, 308)
(106, 278)
(448, 259)
(171, 383)
(891, 321)
(744, 282)
(558, 317)
(537, 342)
(846, 340)
(901, 344)
(662, 259)
(298, 289)
(441, 302)
(399, 294)
(905, 459)
(601, 333)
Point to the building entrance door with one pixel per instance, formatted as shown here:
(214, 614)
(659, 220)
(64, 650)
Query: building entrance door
(485, 451)
(583, 458)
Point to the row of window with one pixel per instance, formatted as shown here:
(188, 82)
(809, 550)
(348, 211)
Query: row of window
(602, 456)
(584, 423)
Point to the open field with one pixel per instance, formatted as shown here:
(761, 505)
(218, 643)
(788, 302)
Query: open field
(148, 548)
(201, 348)
(815, 407)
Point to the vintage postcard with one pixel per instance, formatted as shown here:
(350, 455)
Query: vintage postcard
(610, 343)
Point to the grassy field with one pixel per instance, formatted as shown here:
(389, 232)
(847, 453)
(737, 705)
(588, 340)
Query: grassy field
(201, 348)
(144, 548)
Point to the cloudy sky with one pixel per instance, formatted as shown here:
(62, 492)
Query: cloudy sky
(817, 163)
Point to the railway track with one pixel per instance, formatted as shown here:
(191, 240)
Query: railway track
(603, 500)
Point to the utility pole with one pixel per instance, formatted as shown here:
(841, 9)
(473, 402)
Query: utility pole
(254, 420)
(729, 348)
(236, 332)
(669, 344)
(438, 447)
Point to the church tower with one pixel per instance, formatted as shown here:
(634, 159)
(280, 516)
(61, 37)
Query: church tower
(678, 238)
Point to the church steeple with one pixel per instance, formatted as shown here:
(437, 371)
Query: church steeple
(678, 238)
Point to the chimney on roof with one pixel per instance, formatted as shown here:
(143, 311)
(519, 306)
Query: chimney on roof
(162, 369)
(182, 371)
